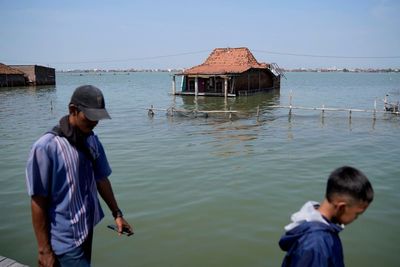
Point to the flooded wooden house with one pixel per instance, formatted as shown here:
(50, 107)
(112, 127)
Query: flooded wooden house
(229, 72)
(37, 75)
(11, 77)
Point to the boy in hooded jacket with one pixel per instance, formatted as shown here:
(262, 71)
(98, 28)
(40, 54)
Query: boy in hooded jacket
(312, 239)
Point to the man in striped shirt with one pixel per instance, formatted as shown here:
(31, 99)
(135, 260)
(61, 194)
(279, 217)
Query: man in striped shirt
(66, 169)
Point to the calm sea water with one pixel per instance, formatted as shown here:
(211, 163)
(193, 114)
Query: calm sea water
(214, 191)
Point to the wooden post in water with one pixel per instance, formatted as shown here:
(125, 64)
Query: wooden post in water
(350, 111)
(150, 112)
(196, 104)
(196, 86)
(226, 87)
(290, 103)
(173, 85)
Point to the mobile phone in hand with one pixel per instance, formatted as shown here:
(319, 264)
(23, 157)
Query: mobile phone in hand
(125, 231)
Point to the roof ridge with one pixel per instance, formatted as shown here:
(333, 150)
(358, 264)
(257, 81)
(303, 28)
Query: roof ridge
(228, 60)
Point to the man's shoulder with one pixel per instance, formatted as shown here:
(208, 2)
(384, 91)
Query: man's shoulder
(94, 142)
(44, 140)
(93, 139)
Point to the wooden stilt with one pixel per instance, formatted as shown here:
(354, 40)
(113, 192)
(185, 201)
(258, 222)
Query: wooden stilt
(173, 85)
(225, 87)
(196, 86)
(150, 112)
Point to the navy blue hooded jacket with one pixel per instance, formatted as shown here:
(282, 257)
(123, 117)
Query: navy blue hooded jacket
(312, 242)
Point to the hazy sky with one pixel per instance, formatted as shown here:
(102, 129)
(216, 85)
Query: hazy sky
(178, 34)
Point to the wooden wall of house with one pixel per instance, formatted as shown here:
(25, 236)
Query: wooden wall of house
(267, 79)
(45, 76)
(254, 79)
(9, 80)
(241, 82)
(38, 75)
(277, 82)
(29, 71)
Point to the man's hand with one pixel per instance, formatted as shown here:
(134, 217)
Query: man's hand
(47, 259)
(40, 221)
(123, 224)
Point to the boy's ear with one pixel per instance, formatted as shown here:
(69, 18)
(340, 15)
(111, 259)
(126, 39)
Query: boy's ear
(340, 207)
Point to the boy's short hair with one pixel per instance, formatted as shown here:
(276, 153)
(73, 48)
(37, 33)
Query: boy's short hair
(350, 182)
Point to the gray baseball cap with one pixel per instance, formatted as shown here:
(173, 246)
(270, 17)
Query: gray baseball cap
(89, 99)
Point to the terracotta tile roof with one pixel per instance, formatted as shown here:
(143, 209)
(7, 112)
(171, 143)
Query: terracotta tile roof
(227, 60)
(4, 69)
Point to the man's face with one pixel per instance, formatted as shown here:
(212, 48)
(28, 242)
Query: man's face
(84, 124)
(348, 213)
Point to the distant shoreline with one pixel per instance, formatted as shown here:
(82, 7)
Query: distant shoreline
(353, 70)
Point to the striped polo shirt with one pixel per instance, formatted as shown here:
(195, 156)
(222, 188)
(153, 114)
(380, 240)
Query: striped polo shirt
(65, 175)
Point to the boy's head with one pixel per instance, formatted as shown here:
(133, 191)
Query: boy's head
(350, 193)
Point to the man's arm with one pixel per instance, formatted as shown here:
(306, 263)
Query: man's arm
(41, 226)
(106, 192)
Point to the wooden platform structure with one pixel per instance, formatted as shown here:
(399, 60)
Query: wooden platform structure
(229, 72)
(389, 108)
(7, 262)
(194, 113)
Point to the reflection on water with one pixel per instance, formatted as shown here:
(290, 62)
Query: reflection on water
(233, 133)
(21, 104)
(242, 104)
(43, 89)
(234, 138)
